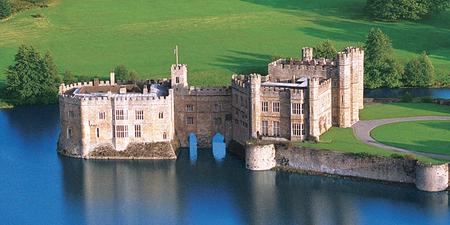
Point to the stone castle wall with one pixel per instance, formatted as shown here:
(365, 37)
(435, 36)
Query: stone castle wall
(204, 112)
(81, 115)
(425, 177)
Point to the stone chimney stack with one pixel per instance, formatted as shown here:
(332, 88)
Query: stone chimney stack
(112, 78)
(145, 90)
(307, 54)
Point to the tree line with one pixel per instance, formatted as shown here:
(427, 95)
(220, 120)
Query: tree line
(394, 10)
(7, 7)
(33, 78)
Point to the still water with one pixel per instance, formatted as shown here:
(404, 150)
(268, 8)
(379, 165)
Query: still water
(37, 186)
(443, 93)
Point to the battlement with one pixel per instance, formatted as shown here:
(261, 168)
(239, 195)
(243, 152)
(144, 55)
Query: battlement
(324, 86)
(209, 90)
(346, 56)
(63, 87)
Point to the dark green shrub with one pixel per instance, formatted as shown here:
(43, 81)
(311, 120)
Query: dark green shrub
(407, 97)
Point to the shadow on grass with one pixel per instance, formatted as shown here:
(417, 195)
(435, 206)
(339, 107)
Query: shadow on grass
(416, 40)
(240, 62)
(352, 25)
(431, 146)
(431, 107)
(440, 125)
(343, 8)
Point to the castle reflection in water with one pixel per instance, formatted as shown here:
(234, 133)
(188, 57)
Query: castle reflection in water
(203, 188)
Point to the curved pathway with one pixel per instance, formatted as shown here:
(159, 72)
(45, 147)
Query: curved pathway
(363, 128)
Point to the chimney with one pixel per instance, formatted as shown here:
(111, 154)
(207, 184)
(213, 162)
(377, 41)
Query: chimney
(96, 82)
(112, 78)
(145, 90)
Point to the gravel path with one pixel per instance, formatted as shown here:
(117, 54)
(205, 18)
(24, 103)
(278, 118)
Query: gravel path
(362, 131)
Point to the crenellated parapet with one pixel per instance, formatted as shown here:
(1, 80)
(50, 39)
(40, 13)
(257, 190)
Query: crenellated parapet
(324, 86)
(212, 91)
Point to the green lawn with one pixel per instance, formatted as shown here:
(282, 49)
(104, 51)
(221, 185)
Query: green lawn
(425, 136)
(393, 110)
(343, 140)
(216, 38)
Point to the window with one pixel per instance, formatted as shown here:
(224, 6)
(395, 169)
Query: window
(276, 128)
(297, 108)
(218, 121)
(265, 128)
(190, 120)
(69, 133)
(161, 115)
(121, 114)
(217, 107)
(276, 107)
(71, 114)
(101, 115)
(97, 132)
(265, 106)
(137, 131)
(139, 114)
(303, 129)
(177, 80)
(189, 108)
(121, 131)
(164, 135)
(297, 129)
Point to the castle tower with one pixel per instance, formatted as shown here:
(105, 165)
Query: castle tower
(179, 76)
(313, 92)
(255, 99)
(350, 92)
(112, 78)
(307, 54)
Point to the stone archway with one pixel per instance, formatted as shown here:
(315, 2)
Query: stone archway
(192, 145)
(218, 146)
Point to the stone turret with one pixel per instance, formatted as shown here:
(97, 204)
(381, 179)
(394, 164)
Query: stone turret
(313, 91)
(255, 96)
(307, 54)
(179, 76)
(112, 78)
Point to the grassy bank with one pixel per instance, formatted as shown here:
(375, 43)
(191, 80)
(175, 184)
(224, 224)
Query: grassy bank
(394, 110)
(343, 140)
(90, 37)
(432, 133)
(424, 136)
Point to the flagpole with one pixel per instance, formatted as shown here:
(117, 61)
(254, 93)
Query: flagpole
(176, 54)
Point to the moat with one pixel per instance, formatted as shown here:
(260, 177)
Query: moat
(41, 187)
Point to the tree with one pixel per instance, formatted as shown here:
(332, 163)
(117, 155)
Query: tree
(419, 72)
(69, 77)
(381, 68)
(122, 74)
(325, 50)
(133, 75)
(5, 9)
(32, 79)
(393, 10)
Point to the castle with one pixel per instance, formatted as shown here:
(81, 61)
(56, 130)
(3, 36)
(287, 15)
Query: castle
(297, 100)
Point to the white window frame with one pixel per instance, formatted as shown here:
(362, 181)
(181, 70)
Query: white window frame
(265, 128)
(276, 107)
(265, 106)
(139, 114)
(121, 131)
(276, 129)
(137, 131)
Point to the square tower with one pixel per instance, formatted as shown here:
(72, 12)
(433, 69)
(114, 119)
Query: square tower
(179, 76)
